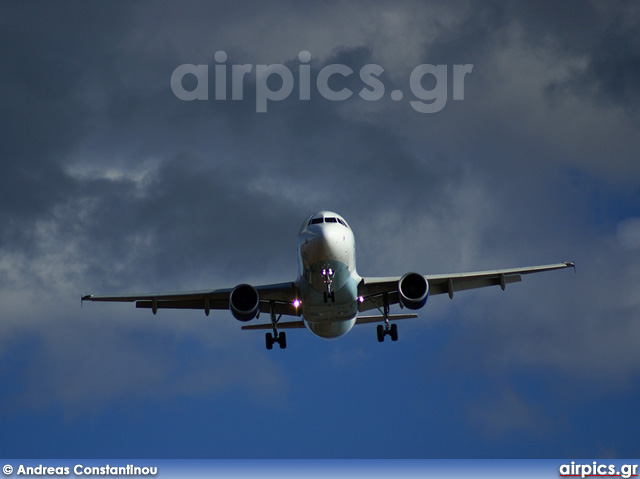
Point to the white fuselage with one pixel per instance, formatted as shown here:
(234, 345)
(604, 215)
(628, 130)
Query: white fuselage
(327, 281)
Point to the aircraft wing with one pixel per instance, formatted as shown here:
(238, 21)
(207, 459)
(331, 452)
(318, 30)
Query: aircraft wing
(282, 295)
(372, 290)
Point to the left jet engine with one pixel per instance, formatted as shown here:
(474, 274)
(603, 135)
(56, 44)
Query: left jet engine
(244, 302)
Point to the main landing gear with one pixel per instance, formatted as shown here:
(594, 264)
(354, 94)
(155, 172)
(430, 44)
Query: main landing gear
(280, 338)
(387, 329)
(275, 337)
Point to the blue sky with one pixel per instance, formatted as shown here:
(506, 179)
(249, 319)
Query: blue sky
(110, 183)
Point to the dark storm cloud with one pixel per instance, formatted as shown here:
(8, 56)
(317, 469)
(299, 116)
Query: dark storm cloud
(612, 73)
(134, 126)
(214, 169)
(45, 50)
(110, 183)
(602, 37)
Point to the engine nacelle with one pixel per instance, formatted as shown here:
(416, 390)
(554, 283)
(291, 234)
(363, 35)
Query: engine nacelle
(244, 302)
(413, 290)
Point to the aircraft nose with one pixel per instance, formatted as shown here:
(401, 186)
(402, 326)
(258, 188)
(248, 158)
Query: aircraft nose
(321, 244)
(330, 243)
(325, 242)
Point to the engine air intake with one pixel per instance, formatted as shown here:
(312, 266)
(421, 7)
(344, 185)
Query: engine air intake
(413, 290)
(244, 302)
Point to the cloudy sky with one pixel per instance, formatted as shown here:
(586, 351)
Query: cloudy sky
(110, 183)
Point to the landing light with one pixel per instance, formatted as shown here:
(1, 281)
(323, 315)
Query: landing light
(361, 299)
(296, 303)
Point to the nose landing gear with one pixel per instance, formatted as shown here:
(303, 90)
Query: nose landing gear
(329, 296)
(327, 277)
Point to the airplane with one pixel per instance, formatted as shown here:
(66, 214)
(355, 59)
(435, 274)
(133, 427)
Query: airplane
(329, 295)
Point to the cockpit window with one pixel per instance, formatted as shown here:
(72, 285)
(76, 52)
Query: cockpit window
(325, 219)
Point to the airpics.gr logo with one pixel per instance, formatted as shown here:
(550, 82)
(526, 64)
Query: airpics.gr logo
(596, 469)
(231, 79)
